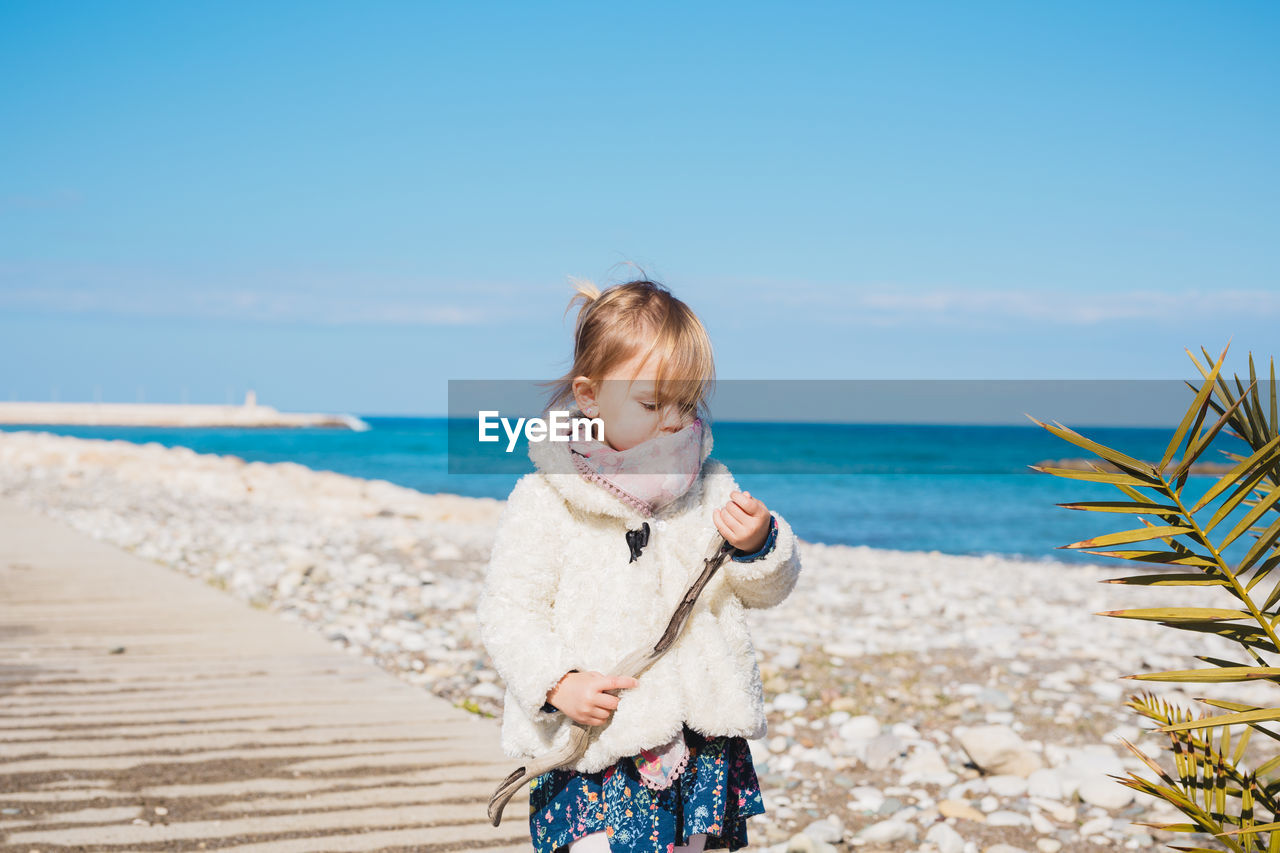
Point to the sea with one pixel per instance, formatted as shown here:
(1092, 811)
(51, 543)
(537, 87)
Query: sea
(954, 489)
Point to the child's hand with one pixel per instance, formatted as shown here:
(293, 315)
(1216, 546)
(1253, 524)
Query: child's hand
(582, 697)
(743, 522)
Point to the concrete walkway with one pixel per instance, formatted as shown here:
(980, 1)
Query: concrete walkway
(218, 727)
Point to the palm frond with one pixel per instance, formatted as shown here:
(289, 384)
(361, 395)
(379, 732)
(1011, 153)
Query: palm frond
(1209, 783)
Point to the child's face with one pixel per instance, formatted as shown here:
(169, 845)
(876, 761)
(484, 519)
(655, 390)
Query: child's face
(625, 403)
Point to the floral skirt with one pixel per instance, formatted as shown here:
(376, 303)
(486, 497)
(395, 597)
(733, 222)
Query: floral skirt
(715, 794)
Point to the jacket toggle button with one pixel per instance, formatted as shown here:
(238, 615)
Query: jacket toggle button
(636, 540)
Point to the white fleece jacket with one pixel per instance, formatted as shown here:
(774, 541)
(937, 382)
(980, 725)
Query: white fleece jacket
(560, 594)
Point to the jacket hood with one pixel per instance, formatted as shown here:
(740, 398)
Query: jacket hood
(553, 460)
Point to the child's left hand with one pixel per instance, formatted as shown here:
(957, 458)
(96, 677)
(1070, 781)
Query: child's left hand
(743, 522)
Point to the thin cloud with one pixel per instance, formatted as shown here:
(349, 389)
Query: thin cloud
(54, 200)
(901, 306)
(332, 297)
(321, 296)
(251, 306)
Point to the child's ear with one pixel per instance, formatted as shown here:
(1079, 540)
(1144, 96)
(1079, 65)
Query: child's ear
(584, 392)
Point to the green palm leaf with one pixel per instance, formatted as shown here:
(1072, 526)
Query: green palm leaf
(1250, 424)
(1124, 537)
(1263, 455)
(1177, 614)
(1210, 675)
(1249, 636)
(1173, 558)
(1178, 579)
(1275, 422)
(1113, 477)
(1122, 506)
(1201, 444)
(1128, 464)
(1254, 412)
(1200, 405)
(1239, 496)
(1249, 519)
(1263, 571)
(1265, 541)
(1218, 661)
(1245, 830)
(1261, 715)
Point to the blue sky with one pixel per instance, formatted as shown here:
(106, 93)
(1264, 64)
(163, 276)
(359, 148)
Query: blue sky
(344, 205)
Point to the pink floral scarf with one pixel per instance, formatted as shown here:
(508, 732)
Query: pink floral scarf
(648, 476)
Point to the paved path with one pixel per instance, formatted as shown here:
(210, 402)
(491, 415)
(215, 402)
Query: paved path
(219, 727)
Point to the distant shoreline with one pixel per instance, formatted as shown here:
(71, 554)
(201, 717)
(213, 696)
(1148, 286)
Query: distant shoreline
(170, 415)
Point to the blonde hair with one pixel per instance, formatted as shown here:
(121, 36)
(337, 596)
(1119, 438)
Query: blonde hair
(613, 326)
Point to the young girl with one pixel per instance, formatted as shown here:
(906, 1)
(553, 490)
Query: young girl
(593, 554)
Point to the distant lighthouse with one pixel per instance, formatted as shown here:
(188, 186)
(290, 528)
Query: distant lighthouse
(250, 399)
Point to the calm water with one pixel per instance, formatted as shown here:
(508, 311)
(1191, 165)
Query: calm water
(954, 489)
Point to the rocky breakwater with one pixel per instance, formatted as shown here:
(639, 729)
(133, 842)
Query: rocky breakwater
(251, 414)
(916, 701)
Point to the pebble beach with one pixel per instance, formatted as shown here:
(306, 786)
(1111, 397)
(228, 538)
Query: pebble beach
(916, 700)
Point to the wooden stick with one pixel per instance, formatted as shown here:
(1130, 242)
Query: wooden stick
(632, 665)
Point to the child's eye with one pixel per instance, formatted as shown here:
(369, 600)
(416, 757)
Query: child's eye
(650, 407)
